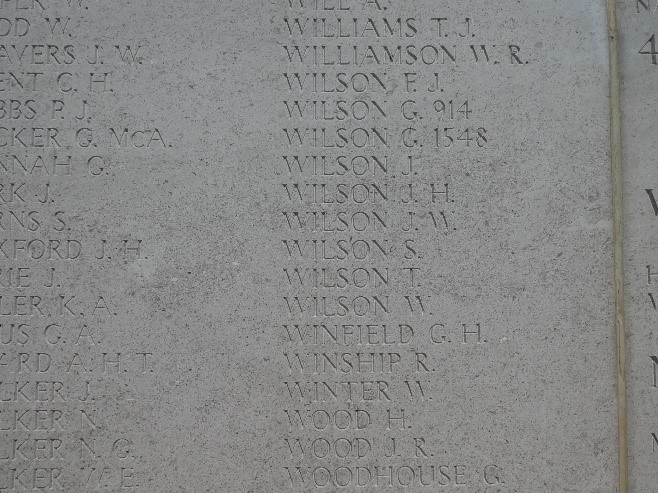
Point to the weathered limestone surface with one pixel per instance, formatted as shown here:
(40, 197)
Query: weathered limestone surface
(638, 70)
(361, 246)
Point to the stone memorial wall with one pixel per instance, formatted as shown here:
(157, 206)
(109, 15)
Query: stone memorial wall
(327, 246)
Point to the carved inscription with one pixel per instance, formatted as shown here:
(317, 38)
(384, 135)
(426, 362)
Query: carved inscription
(61, 369)
(371, 125)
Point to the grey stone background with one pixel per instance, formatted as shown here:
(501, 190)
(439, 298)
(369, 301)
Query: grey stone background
(525, 253)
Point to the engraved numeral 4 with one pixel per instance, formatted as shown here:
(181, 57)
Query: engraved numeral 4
(649, 48)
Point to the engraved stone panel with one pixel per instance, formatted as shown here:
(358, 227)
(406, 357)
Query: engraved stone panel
(637, 25)
(306, 246)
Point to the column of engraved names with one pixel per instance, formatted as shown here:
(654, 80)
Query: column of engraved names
(58, 364)
(368, 200)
